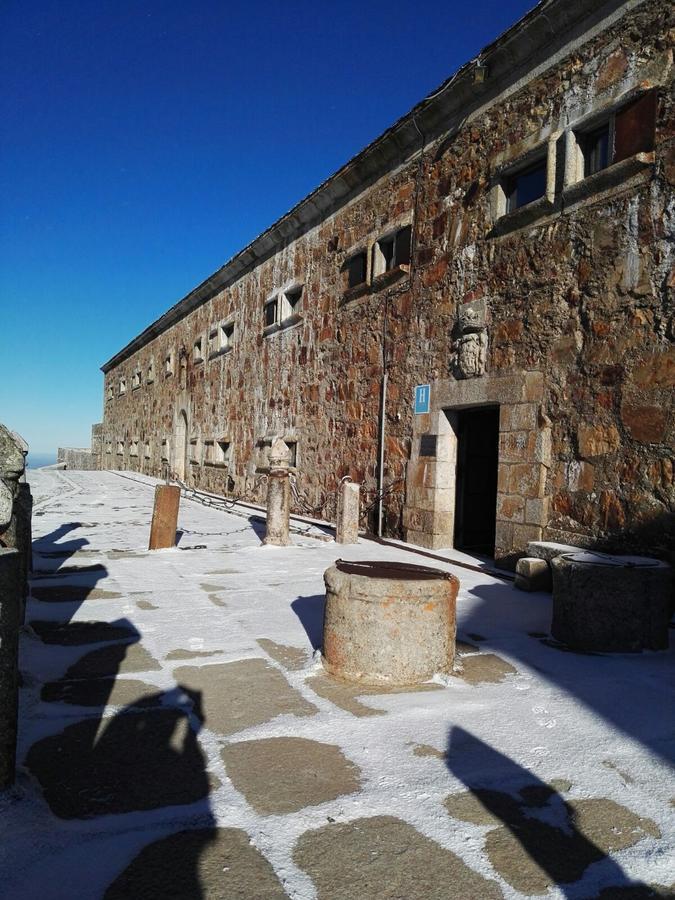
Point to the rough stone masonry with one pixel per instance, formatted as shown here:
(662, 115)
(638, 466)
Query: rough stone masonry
(509, 243)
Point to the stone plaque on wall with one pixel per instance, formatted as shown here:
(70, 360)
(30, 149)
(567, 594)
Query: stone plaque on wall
(428, 445)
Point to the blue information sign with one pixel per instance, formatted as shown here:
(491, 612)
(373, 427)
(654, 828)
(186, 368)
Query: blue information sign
(422, 396)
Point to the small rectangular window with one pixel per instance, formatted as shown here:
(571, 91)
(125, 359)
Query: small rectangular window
(595, 147)
(151, 372)
(133, 450)
(624, 133)
(165, 450)
(194, 451)
(123, 385)
(198, 351)
(223, 450)
(108, 447)
(120, 448)
(148, 450)
(109, 392)
(293, 453)
(168, 364)
(525, 186)
(392, 252)
(136, 379)
(356, 270)
(214, 341)
(290, 303)
(271, 312)
(227, 335)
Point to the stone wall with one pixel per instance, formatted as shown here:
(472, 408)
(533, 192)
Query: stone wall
(561, 313)
(86, 458)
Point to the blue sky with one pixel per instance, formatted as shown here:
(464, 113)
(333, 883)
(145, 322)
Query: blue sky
(143, 143)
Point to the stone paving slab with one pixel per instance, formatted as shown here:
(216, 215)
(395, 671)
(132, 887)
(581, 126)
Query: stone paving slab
(386, 858)
(214, 863)
(239, 695)
(285, 774)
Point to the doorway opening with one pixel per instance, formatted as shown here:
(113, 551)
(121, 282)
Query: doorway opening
(477, 433)
(180, 453)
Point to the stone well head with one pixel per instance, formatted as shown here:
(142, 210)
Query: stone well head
(388, 622)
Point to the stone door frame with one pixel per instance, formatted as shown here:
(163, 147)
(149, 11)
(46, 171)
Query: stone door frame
(524, 460)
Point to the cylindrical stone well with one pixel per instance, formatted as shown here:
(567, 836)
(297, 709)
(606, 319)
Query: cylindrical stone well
(606, 603)
(388, 622)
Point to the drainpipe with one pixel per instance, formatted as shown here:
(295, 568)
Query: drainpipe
(380, 468)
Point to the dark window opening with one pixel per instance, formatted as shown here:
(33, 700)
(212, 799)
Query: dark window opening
(293, 453)
(476, 484)
(356, 270)
(271, 312)
(595, 148)
(525, 186)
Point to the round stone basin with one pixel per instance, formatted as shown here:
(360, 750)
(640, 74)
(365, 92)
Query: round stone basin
(611, 604)
(388, 622)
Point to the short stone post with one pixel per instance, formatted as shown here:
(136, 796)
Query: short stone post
(278, 496)
(348, 513)
(11, 601)
(164, 517)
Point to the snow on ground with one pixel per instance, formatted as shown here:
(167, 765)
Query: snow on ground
(534, 772)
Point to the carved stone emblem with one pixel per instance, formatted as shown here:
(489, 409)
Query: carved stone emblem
(471, 341)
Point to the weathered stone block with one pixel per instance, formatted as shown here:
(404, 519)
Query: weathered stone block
(597, 440)
(611, 604)
(548, 550)
(510, 508)
(533, 574)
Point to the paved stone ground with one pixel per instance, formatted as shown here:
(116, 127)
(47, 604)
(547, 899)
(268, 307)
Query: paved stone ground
(179, 738)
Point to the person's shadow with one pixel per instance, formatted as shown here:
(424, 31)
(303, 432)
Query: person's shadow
(146, 756)
(536, 839)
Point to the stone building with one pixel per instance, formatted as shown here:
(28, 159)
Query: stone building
(509, 244)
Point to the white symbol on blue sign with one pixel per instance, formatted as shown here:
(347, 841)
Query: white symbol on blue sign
(422, 396)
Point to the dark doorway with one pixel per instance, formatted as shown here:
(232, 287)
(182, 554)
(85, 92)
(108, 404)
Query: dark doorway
(476, 492)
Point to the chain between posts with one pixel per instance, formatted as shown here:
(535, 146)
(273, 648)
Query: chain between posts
(229, 503)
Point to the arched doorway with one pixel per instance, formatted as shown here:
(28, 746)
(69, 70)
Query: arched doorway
(180, 446)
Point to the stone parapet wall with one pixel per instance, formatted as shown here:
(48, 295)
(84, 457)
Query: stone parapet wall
(77, 458)
(560, 313)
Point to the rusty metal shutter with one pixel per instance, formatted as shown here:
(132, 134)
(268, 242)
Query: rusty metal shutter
(634, 127)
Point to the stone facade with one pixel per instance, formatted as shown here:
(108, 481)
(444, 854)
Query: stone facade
(415, 259)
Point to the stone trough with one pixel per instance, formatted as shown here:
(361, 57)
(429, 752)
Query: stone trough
(388, 622)
(611, 603)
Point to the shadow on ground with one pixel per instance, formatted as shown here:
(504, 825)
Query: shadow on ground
(310, 611)
(145, 755)
(538, 839)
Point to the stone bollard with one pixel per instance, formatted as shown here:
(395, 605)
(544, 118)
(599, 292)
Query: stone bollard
(11, 601)
(611, 604)
(278, 496)
(164, 517)
(347, 529)
(388, 623)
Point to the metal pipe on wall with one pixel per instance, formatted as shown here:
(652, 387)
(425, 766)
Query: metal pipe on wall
(380, 468)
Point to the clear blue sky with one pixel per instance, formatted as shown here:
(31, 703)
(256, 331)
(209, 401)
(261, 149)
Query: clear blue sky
(143, 143)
